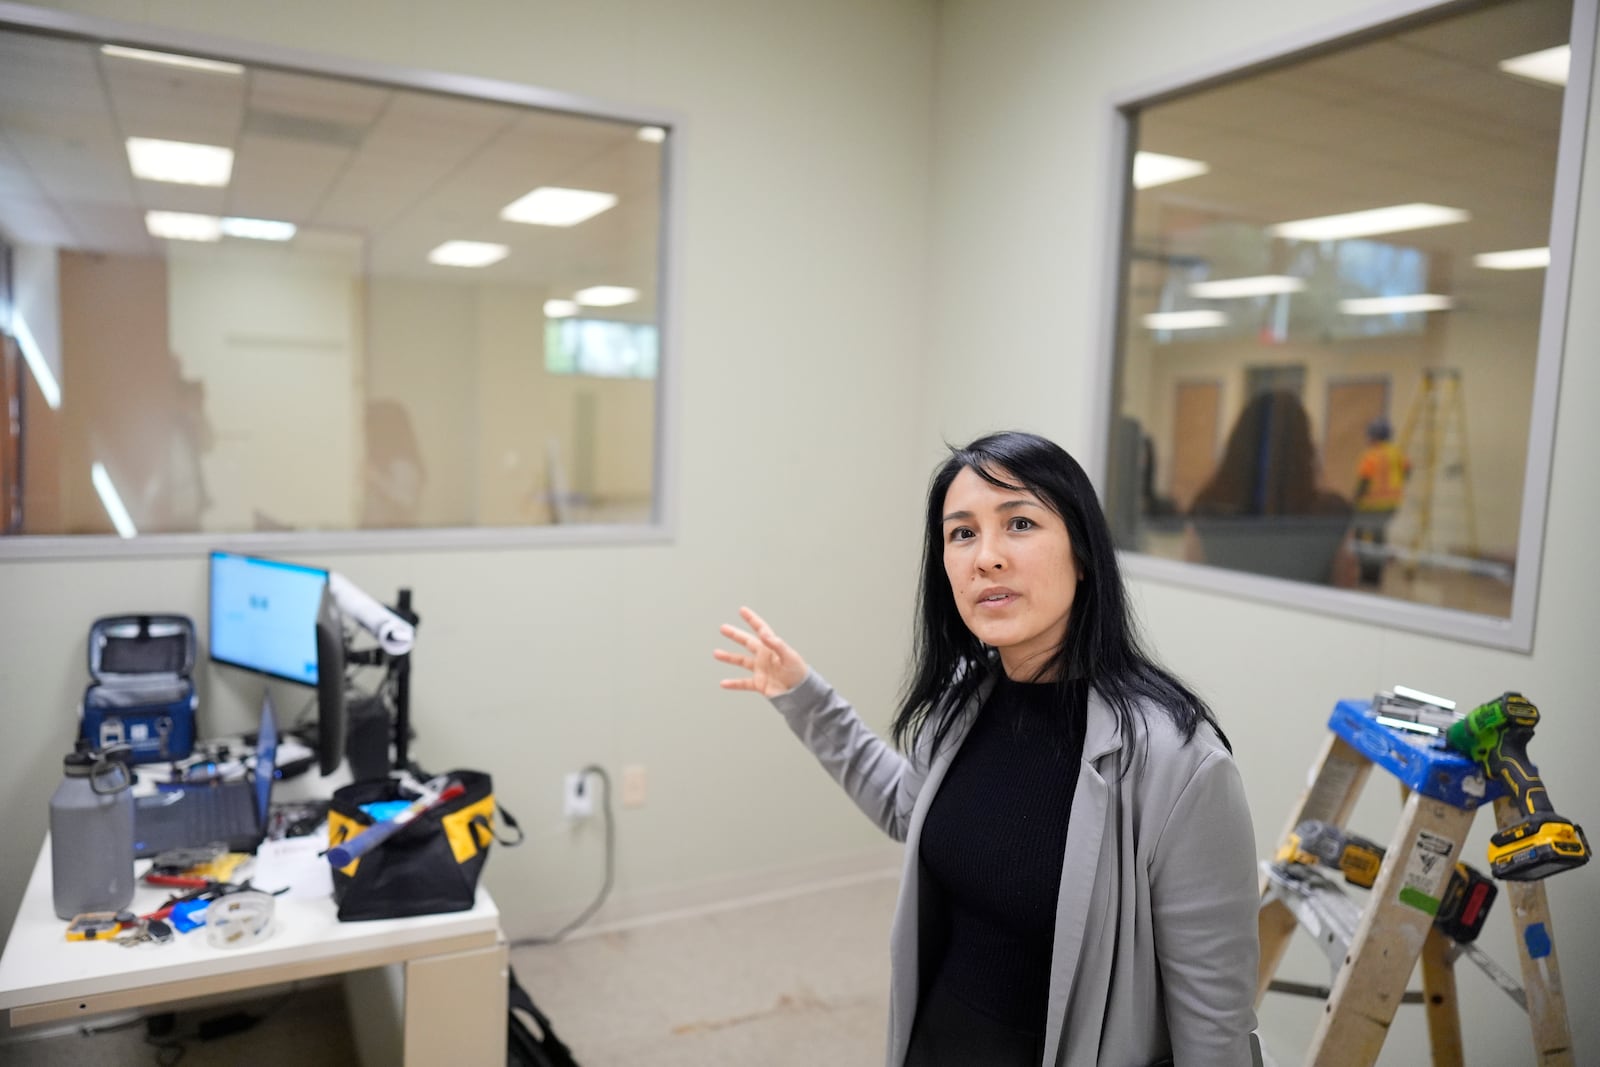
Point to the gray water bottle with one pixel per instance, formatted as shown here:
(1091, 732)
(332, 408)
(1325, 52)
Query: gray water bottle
(91, 834)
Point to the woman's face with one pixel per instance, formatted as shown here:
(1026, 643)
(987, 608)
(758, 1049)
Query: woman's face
(1011, 570)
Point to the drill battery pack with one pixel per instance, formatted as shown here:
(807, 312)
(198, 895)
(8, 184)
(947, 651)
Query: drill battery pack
(142, 694)
(1537, 847)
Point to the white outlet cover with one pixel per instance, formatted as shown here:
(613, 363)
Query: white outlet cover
(577, 797)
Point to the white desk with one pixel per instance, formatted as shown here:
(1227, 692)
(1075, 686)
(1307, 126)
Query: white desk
(439, 998)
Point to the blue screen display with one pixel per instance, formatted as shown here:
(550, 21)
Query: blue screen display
(264, 615)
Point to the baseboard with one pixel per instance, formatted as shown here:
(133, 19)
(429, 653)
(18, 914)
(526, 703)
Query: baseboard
(629, 911)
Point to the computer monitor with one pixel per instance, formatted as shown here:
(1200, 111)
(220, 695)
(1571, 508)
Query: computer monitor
(332, 726)
(264, 614)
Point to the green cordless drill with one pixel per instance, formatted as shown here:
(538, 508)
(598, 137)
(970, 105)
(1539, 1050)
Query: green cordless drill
(1542, 843)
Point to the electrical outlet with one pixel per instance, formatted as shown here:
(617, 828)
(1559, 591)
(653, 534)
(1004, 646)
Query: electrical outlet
(633, 782)
(577, 796)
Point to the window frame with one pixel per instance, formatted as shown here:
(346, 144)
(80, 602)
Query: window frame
(659, 529)
(1515, 632)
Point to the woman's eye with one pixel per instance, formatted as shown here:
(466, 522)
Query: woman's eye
(1020, 523)
(960, 533)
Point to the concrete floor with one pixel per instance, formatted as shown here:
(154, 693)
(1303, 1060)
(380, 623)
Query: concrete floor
(790, 982)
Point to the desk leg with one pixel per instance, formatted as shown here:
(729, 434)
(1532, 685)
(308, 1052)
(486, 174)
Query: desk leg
(455, 1009)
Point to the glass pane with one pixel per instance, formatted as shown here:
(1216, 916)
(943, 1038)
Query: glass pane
(254, 299)
(1331, 302)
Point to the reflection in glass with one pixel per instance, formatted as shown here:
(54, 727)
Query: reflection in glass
(1354, 242)
(240, 298)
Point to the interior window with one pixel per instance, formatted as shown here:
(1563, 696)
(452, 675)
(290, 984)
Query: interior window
(239, 298)
(1328, 333)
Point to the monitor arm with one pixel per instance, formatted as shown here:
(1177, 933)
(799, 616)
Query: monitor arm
(395, 635)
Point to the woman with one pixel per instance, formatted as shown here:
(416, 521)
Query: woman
(1079, 884)
(1263, 510)
(1269, 466)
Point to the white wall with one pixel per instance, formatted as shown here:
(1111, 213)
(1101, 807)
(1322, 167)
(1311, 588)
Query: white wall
(1019, 223)
(802, 264)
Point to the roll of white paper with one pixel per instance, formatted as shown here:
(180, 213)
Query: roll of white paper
(394, 634)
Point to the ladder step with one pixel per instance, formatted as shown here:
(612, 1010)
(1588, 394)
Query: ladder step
(1327, 913)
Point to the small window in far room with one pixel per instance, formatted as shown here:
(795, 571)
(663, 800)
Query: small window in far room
(1338, 324)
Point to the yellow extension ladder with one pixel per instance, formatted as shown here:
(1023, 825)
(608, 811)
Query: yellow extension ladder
(1434, 439)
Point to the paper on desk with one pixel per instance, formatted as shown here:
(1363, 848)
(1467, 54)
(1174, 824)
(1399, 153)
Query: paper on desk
(293, 862)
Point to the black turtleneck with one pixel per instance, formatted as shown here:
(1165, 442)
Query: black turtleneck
(992, 849)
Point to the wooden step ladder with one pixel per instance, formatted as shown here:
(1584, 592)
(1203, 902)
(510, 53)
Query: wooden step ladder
(1374, 949)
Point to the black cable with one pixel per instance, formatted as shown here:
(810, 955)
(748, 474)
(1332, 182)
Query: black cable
(605, 888)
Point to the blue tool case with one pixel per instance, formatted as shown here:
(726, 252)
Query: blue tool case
(142, 694)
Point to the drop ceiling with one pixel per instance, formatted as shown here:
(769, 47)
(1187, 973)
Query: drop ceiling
(1423, 115)
(381, 173)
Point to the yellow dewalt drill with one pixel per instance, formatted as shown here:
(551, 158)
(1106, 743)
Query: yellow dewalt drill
(1542, 843)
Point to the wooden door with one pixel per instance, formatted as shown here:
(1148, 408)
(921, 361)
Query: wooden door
(1352, 405)
(1196, 413)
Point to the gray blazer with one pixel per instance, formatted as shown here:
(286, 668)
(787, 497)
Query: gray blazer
(1155, 942)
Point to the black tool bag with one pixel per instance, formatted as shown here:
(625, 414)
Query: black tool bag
(143, 694)
(430, 865)
(536, 1045)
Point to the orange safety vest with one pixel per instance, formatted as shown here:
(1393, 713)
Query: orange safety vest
(1383, 467)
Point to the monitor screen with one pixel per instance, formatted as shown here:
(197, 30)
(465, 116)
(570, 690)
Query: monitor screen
(264, 615)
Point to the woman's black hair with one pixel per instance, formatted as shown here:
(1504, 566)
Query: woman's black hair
(1102, 645)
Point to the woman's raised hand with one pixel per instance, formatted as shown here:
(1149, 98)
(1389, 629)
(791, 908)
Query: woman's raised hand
(774, 667)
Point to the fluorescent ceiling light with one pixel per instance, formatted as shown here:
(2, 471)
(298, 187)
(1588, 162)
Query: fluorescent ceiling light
(549, 206)
(258, 229)
(1153, 168)
(1513, 259)
(606, 296)
(34, 357)
(179, 161)
(183, 226)
(652, 134)
(1261, 285)
(1366, 223)
(467, 254)
(560, 309)
(1549, 66)
(215, 66)
(1395, 305)
(112, 502)
(1185, 320)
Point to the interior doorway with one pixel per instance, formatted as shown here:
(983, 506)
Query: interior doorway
(1352, 405)
(1196, 423)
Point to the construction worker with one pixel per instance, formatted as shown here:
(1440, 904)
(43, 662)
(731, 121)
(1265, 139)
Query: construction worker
(1381, 472)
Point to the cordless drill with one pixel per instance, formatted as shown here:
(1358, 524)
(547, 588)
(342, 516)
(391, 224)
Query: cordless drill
(1314, 841)
(1541, 843)
(1467, 896)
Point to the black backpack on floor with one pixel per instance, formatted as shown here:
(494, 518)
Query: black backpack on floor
(526, 1046)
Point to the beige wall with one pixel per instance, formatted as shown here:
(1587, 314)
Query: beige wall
(1024, 107)
(275, 333)
(423, 338)
(801, 281)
